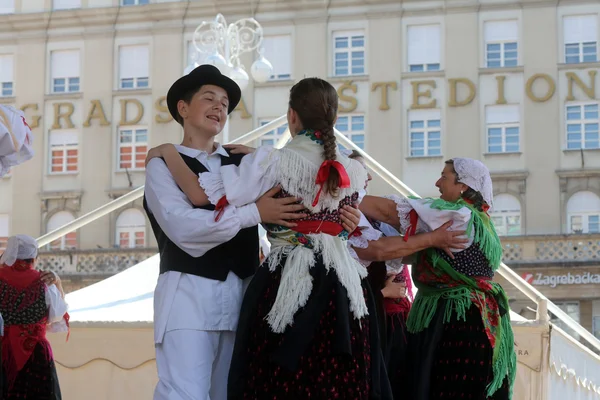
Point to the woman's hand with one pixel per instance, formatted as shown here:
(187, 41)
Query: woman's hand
(159, 151)
(350, 217)
(49, 277)
(393, 290)
(239, 148)
(445, 240)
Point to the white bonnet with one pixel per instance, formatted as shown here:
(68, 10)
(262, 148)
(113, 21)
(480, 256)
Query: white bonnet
(19, 247)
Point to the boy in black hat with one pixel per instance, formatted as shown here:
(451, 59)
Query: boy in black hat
(203, 262)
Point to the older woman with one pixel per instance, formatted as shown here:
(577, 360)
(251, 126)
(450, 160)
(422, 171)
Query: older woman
(29, 307)
(16, 139)
(462, 342)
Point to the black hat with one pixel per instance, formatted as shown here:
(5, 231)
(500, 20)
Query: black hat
(203, 75)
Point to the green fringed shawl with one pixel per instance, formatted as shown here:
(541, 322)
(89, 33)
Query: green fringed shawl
(436, 279)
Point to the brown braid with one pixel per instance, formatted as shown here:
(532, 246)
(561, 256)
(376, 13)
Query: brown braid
(316, 103)
(469, 195)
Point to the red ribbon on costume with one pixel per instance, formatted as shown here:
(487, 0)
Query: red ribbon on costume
(220, 208)
(323, 175)
(356, 232)
(412, 229)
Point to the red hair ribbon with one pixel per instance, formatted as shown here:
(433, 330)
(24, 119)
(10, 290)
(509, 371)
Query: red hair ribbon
(323, 175)
(220, 207)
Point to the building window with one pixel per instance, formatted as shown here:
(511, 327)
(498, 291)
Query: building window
(4, 230)
(349, 53)
(131, 229)
(6, 75)
(353, 127)
(571, 308)
(596, 318)
(64, 152)
(278, 50)
(272, 137)
(580, 34)
(502, 127)
(506, 215)
(134, 2)
(425, 133)
(501, 43)
(133, 67)
(582, 126)
(583, 213)
(7, 6)
(65, 71)
(68, 241)
(65, 4)
(133, 146)
(424, 50)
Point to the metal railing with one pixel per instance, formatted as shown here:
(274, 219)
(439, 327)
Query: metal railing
(543, 303)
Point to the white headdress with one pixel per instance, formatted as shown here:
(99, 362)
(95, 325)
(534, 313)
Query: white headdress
(475, 175)
(19, 247)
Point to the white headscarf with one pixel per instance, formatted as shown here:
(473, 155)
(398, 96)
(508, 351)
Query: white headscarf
(475, 175)
(19, 247)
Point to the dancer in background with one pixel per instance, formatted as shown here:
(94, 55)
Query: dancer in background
(461, 343)
(29, 307)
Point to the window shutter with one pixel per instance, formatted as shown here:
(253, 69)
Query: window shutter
(65, 64)
(6, 68)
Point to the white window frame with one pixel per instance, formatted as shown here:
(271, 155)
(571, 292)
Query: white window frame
(4, 230)
(502, 41)
(70, 142)
(507, 126)
(503, 229)
(582, 123)
(61, 243)
(425, 66)
(279, 73)
(71, 82)
(586, 219)
(428, 118)
(591, 40)
(350, 36)
(587, 213)
(133, 144)
(9, 8)
(68, 4)
(140, 81)
(272, 137)
(131, 230)
(7, 86)
(128, 3)
(351, 133)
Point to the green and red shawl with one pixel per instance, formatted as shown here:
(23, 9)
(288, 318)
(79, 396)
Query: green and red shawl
(436, 279)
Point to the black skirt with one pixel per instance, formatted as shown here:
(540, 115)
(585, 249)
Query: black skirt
(325, 354)
(37, 380)
(452, 360)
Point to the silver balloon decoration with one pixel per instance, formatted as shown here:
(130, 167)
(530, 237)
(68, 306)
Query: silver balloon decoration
(224, 44)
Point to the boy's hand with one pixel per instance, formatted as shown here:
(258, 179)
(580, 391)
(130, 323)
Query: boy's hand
(239, 148)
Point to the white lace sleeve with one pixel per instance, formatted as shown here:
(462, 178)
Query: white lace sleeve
(367, 234)
(16, 140)
(241, 184)
(57, 308)
(404, 207)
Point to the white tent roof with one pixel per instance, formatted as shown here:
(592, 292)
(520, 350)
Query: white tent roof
(125, 297)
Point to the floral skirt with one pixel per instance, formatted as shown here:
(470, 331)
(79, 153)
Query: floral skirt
(325, 354)
(36, 381)
(453, 360)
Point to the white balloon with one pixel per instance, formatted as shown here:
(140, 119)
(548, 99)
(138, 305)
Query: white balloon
(261, 70)
(218, 61)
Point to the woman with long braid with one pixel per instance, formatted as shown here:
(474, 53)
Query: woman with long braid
(304, 328)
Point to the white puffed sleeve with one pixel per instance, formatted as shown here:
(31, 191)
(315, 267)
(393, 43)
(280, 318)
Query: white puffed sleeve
(16, 139)
(57, 308)
(367, 234)
(245, 183)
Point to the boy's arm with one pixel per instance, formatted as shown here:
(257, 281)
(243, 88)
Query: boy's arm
(184, 177)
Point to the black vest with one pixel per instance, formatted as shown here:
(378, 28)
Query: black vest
(239, 255)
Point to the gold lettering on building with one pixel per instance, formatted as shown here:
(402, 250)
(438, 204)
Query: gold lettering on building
(35, 119)
(500, 99)
(161, 107)
(96, 112)
(384, 105)
(353, 102)
(453, 83)
(551, 88)
(590, 91)
(66, 115)
(417, 94)
(243, 109)
(138, 117)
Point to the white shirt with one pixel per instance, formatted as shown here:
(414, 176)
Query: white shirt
(184, 301)
(57, 307)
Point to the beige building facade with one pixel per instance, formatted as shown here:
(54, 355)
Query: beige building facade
(512, 83)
